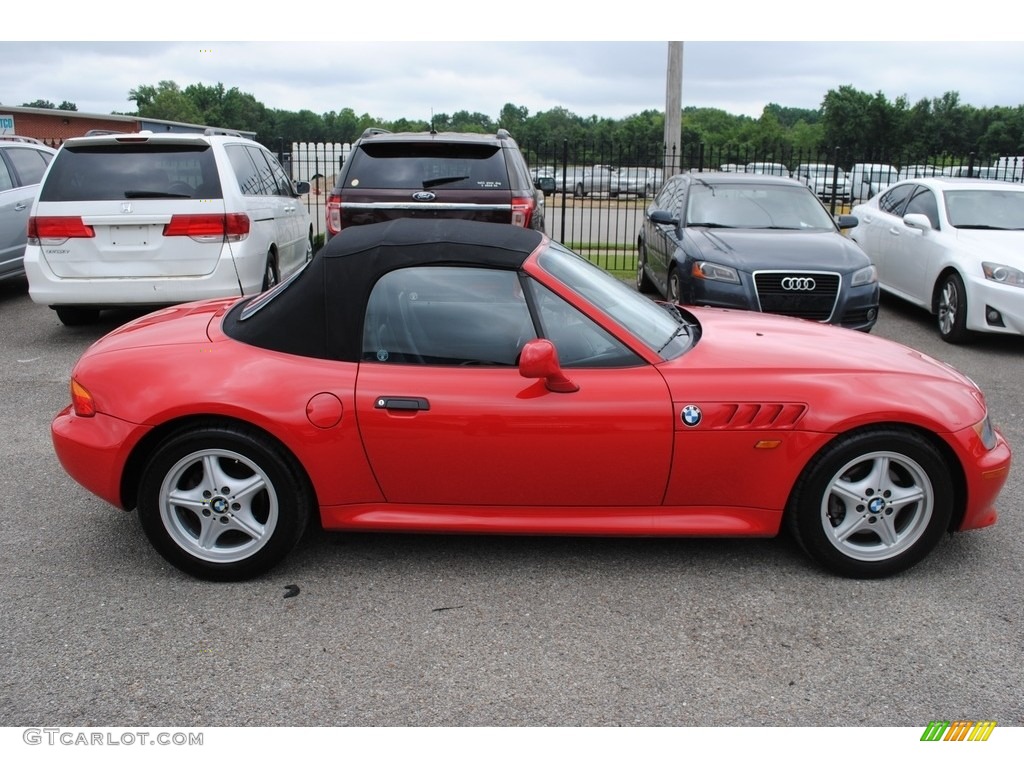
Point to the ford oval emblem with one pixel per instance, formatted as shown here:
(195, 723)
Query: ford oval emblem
(423, 197)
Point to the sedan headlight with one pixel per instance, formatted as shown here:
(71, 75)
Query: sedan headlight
(1000, 273)
(865, 276)
(706, 270)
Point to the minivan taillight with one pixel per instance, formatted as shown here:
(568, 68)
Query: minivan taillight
(54, 230)
(208, 227)
(334, 213)
(522, 211)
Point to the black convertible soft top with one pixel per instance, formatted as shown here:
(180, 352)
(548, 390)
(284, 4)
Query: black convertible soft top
(320, 312)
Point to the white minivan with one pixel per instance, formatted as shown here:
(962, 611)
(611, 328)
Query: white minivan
(150, 219)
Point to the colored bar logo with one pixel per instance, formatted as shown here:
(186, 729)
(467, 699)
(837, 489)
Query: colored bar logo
(958, 730)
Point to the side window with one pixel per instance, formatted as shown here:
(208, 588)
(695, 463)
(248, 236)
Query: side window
(268, 182)
(893, 200)
(447, 316)
(245, 172)
(6, 182)
(663, 201)
(924, 202)
(580, 342)
(28, 163)
(284, 185)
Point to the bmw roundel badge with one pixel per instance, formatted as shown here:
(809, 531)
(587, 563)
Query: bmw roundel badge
(691, 415)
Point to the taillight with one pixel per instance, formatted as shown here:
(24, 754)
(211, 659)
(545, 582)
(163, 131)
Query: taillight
(208, 227)
(334, 213)
(522, 210)
(81, 400)
(54, 230)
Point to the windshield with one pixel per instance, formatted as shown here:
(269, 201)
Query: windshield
(663, 328)
(985, 208)
(756, 206)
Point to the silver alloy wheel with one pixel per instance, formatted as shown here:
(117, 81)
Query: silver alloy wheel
(877, 506)
(218, 506)
(949, 304)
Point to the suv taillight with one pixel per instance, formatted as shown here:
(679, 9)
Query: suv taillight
(334, 213)
(54, 230)
(522, 211)
(208, 227)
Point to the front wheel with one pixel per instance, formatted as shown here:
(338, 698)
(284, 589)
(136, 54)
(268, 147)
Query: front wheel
(873, 503)
(952, 310)
(643, 281)
(675, 287)
(223, 502)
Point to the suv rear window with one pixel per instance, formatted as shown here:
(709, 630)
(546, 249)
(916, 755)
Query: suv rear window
(131, 172)
(423, 164)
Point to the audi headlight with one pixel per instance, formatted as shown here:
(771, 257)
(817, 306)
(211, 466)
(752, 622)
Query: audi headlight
(706, 270)
(865, 276)
(1000, 273)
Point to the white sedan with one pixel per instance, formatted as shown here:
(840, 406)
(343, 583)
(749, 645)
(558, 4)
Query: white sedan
(952, 246)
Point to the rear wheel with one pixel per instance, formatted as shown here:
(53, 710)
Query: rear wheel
(72, 316)
(580, 192)
(223, 502)
(873, 503)
(270, 274)
(952, 310)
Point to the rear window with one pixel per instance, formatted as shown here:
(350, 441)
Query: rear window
(427, 165)
(131, 172)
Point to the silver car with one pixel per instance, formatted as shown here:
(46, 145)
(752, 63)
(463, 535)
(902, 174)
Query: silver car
(22, 163)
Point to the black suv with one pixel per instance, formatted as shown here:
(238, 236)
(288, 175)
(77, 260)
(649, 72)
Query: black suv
(434, 175)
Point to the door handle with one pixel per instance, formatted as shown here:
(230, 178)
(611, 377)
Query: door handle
(390, 403)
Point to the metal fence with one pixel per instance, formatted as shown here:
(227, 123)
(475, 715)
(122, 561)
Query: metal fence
(602, 191)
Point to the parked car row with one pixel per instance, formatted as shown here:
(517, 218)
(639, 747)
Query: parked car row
(23, 162)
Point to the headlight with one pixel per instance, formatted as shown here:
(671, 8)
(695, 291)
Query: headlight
(986, 432)
(705, 270)
(1000, 273)
(865, 276)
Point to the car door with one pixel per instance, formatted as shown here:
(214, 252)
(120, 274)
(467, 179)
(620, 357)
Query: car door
(21, 169)
(882, 229)
(446, 417)
(292, 223)
(662, 240)
(912, 252)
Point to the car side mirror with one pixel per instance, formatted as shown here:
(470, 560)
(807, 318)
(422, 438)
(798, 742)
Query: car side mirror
(917, 221)
(539, 360)
(846, 221)
(546, 184)
(301, 187)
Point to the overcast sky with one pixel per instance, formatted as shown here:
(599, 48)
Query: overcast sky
(409, 78)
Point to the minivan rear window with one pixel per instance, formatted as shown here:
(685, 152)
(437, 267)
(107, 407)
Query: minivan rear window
(427, 165)
(132, 172)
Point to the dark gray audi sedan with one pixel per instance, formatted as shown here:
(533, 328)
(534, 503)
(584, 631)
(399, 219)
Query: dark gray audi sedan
(755, 242)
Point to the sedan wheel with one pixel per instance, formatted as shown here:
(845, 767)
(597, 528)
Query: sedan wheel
(222, 502)
(643, 282)
(675, 287)
(952, 314)
(873, 503)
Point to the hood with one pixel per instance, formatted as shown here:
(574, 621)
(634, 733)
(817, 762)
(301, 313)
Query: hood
(753, 249)
(1003, 246)
(845, 377)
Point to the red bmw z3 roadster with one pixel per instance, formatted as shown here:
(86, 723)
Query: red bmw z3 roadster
(454, 376)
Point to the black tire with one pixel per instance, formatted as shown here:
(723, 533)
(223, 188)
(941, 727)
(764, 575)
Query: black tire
(580, 192)
(872, 503)
(952, 310)
(74, 316)
(223, 502)
(644, 284)
(674, 290)
(270, 274)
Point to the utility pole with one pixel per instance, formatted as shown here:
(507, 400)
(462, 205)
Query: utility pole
(673, 109)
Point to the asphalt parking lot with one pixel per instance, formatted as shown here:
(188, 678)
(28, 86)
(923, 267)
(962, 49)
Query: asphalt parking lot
(369, 629)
